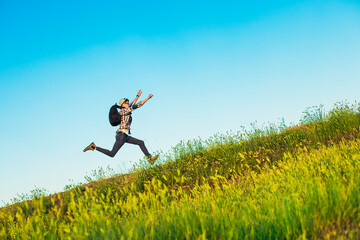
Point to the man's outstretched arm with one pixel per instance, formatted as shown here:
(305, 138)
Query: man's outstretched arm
(145, 100)
(137, 105)
(137, 97)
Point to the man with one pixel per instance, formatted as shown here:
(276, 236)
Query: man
(122, 134)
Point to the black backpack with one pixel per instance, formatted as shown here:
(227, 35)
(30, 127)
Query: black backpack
(114, 116)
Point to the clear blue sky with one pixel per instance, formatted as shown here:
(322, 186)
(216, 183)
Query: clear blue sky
(212, 66)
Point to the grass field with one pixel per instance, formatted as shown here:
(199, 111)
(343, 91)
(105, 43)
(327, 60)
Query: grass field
(279, 182)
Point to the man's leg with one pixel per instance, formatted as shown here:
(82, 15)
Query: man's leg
(120, 140)
(141, 143)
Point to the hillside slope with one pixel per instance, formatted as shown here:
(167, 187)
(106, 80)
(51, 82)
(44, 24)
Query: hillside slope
(276, 182)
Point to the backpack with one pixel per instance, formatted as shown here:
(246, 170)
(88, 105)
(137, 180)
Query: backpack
(114, 116)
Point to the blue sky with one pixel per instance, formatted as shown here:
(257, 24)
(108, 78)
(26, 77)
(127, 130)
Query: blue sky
(213, 66)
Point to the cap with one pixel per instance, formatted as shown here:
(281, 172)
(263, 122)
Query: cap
(122, 101)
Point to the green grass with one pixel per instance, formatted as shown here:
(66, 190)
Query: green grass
(279, 182)
(226, 154)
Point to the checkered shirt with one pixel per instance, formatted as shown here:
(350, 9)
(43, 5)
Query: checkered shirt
(126, 118)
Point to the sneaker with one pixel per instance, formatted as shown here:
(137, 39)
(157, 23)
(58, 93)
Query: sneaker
(91, 147)
(152, 159)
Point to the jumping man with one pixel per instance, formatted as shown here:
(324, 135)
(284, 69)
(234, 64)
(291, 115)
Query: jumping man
(122, 134)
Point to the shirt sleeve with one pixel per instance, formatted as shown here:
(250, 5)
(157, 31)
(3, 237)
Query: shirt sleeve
(135, 106)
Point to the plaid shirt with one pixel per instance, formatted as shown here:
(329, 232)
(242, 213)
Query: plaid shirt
(126, 118)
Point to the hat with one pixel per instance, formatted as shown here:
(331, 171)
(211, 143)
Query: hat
(122, 101)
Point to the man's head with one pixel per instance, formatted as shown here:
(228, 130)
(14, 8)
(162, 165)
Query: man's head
(124, 103)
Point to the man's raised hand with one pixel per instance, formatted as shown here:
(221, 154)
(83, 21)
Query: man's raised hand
(139, 93)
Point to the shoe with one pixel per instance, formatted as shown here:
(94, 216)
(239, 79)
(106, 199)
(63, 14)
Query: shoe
(152, 159)
(91, 147)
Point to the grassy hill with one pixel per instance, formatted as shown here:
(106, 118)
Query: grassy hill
(278, 182)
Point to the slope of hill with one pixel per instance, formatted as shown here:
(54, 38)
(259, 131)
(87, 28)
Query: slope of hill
(277, 182)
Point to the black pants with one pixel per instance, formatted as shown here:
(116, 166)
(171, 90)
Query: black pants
(122, 138)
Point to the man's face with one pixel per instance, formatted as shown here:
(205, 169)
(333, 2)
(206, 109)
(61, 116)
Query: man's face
(125, 104)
